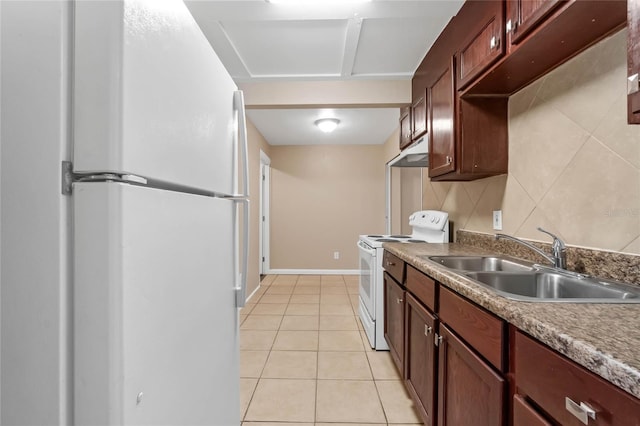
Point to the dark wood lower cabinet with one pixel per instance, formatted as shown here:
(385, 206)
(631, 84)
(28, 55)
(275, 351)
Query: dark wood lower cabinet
(394, 320)
(525, 415)
(565, 391)
(420, 358)
(470, 393)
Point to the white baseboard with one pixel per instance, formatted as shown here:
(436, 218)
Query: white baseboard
(313, 272)
(252, 293)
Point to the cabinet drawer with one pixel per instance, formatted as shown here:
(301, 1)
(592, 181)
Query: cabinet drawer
(552, 381)
(394, 266)
(423, 287)
(525, 415)
(479, 328)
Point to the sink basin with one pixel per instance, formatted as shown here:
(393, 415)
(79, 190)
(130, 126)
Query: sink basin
(545, 286)
(480, 263)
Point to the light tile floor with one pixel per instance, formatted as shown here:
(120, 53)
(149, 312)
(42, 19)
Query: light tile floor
(305, 360)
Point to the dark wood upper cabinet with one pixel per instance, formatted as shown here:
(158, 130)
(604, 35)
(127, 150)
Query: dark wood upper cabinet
(633, 60)
(419, 114)
(484, 44)
(442, 113)
(543, 35)
(420, 358)
(524, 15)
(470, 393)
(394, 320)
(405, 127)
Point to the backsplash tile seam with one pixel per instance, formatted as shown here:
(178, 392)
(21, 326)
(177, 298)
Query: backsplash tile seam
(616, 154)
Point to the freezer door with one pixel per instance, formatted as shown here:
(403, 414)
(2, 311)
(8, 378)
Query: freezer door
(151, 97)
(156, 327)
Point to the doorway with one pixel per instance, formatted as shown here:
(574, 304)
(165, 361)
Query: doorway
(265, 184)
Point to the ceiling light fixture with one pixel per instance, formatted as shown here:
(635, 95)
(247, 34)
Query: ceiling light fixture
(327, 125)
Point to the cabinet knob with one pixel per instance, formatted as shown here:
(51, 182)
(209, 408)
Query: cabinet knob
(495, 42)
(633, 84)
(508, 26)
(391, 264)
(449, 159)
(581, 411)
(398, 300)
(427, 330)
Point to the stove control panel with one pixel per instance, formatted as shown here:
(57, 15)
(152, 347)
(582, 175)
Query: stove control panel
(429, 219)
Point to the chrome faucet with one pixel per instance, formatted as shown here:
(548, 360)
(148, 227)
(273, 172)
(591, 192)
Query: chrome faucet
(558, 255)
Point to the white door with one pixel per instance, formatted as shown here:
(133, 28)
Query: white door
(265, 171)
(156, 324)
(151, 97)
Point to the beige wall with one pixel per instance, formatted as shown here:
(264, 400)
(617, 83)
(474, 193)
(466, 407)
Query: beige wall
(307, 94)
(256, 143)
(391, 148)
(574, 163)
(322, 198)
(411, 195)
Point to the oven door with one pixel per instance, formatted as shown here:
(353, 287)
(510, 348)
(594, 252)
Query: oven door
(368, 278)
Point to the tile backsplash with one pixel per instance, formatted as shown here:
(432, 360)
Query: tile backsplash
(574, 163)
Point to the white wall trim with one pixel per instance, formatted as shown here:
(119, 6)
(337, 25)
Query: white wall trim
(314, 272)
(253, 293)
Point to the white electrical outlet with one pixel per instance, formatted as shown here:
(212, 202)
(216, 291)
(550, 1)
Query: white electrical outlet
(497, 220)
(336, 255)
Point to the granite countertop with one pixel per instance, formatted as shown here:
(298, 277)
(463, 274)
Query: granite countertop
(604, 338)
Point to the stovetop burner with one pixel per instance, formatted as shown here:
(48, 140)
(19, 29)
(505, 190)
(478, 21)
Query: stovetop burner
(416, 241)
(374, 236)
(399, 236)
(386, 240)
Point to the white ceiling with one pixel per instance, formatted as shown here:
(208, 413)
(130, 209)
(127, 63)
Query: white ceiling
(361, 126)
(325, 40)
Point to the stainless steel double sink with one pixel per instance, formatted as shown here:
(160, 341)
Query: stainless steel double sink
(520, 280)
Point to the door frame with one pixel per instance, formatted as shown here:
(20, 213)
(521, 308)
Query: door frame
(264, 263)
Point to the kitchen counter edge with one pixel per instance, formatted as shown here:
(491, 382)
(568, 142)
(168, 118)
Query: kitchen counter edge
(603, 338)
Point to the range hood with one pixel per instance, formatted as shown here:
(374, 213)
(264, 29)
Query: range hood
(416, 155)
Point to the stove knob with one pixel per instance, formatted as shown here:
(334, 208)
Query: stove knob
(433, 219)
(437, 220)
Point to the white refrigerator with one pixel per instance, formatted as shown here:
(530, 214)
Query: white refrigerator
(155, 180)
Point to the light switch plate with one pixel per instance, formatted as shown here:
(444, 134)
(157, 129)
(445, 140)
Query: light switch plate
(497, 220)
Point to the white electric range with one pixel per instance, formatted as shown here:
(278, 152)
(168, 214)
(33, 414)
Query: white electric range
(428, 226)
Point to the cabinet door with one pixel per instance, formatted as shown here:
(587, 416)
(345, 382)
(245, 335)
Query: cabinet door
(524, 15)
(419, 115)
(485, 42)
(405, 127)
(394, 320)
(420, 360)
(525, 415)
(442, 123)
(470, 393)
(633, 60)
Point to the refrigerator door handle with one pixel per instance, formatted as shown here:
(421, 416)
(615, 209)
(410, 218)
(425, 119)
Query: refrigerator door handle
(243, 197)
(242, 140)
(241, 286)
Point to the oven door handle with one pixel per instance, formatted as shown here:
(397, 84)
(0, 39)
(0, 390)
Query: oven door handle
(371, 252)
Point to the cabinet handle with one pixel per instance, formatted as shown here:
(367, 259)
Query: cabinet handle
(449, 159)
(398, 300)
(508, 26)
(427, 330)
(391, 264)
(437, 340)
(581, 411)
